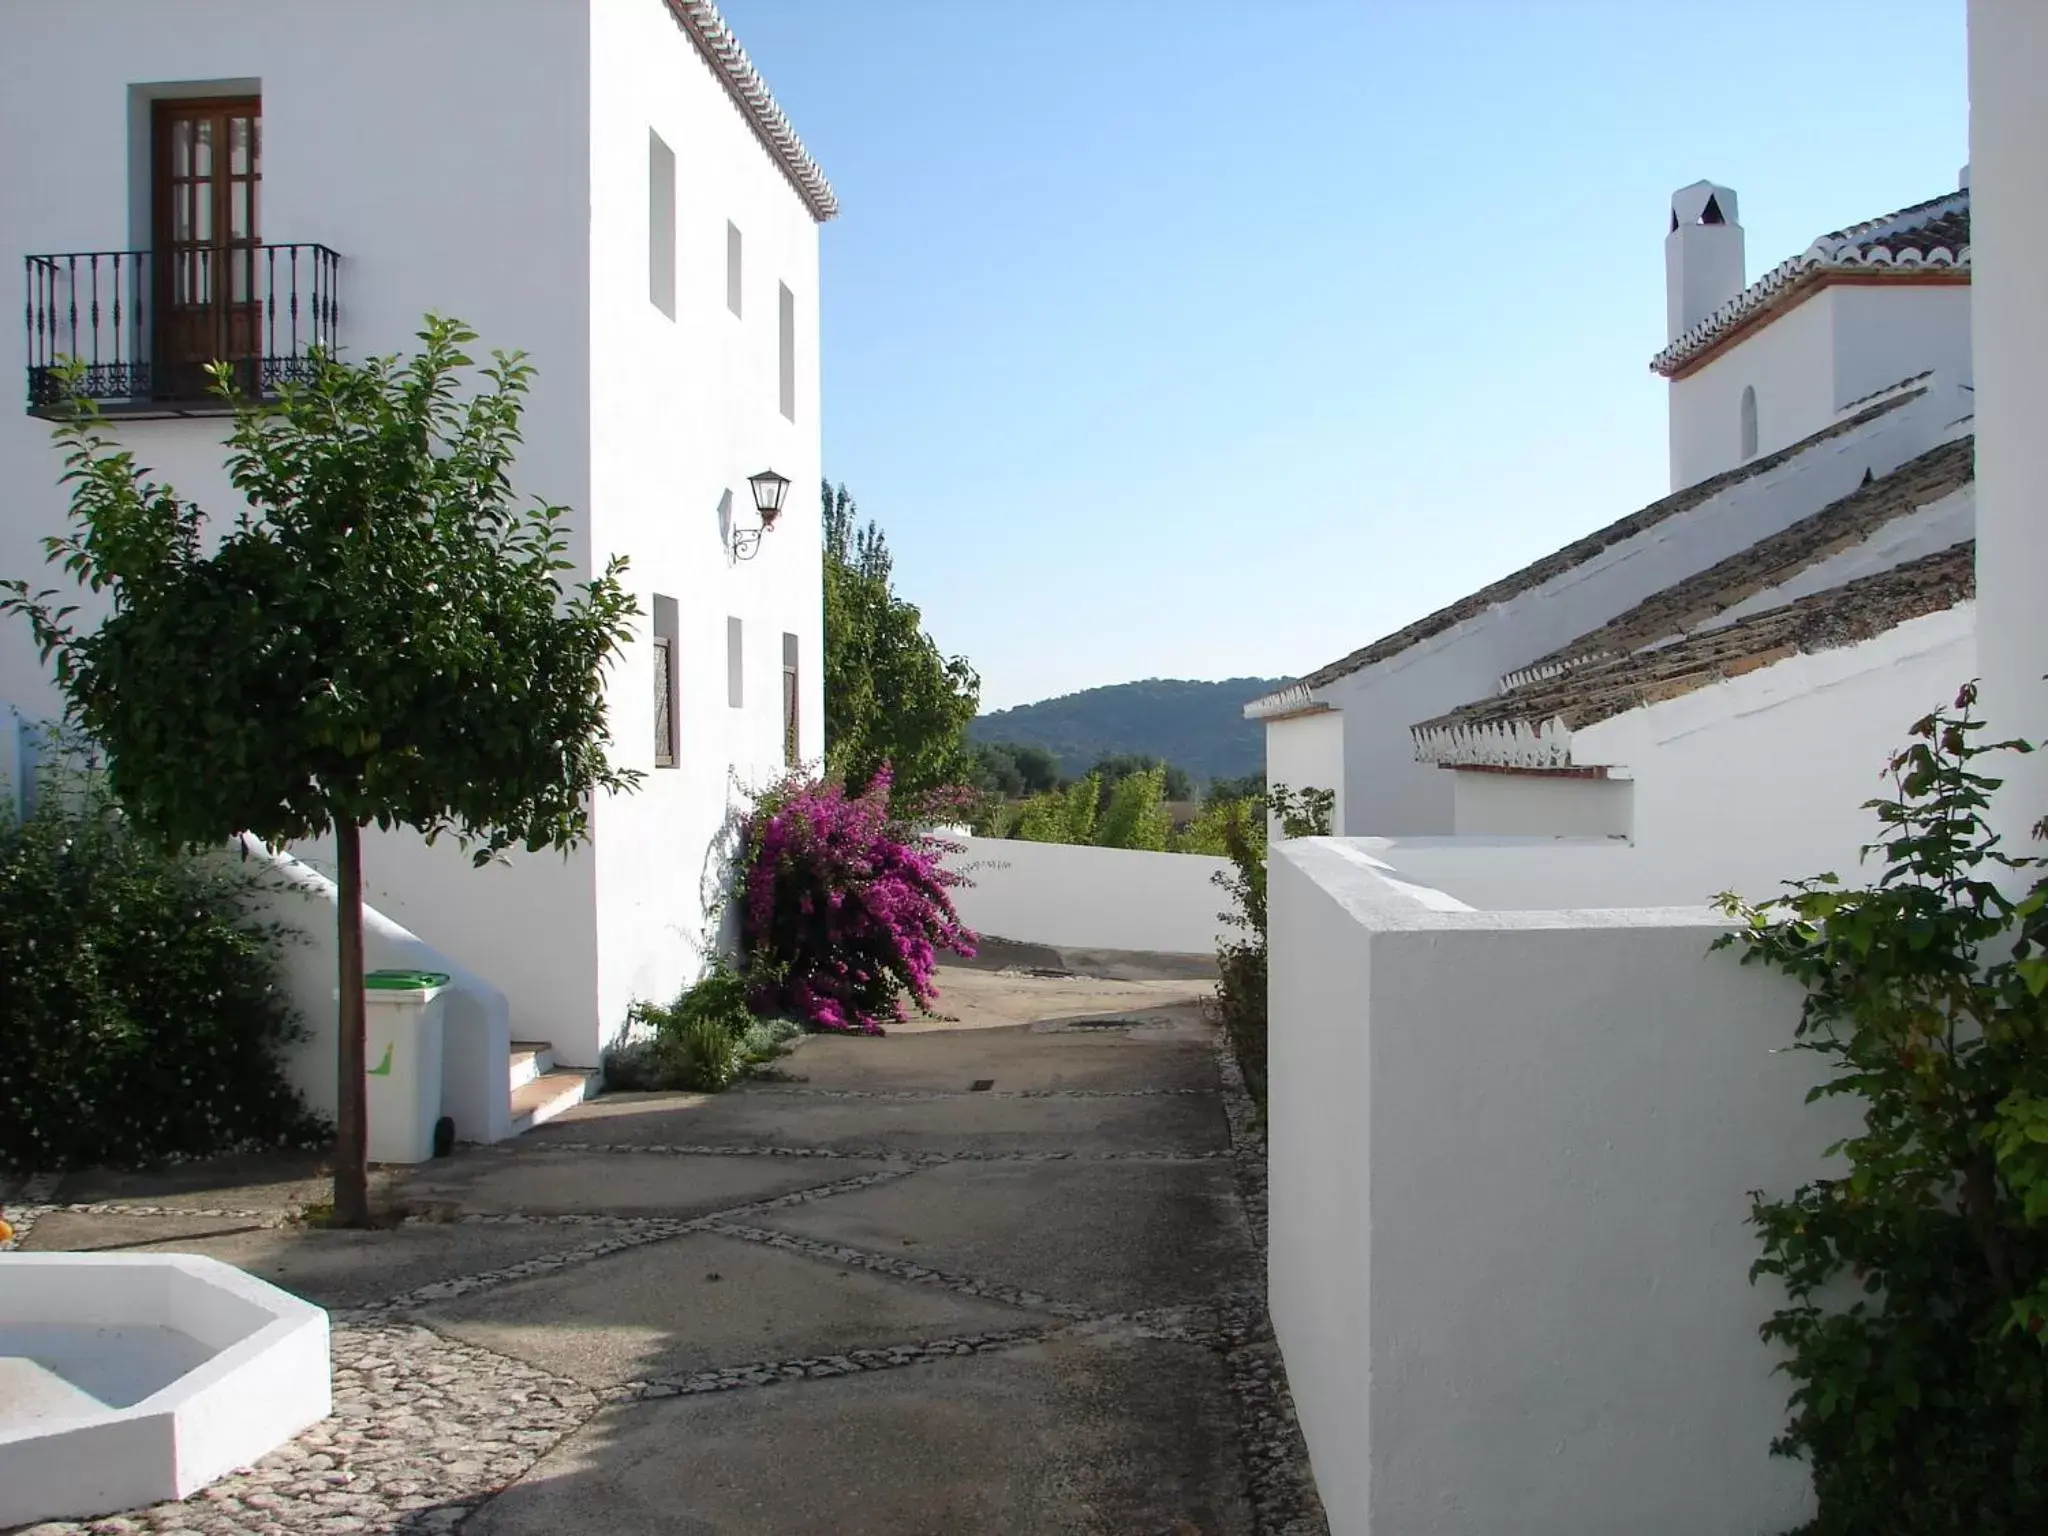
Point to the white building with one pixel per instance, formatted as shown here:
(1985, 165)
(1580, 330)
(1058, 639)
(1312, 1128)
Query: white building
(606, 184)
(1800, 596)
(1516, 1103)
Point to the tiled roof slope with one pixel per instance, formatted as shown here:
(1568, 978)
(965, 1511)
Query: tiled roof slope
(1531, 726)
(707, 30)
(1560, 561)
(1930, 235)
(1689, 604)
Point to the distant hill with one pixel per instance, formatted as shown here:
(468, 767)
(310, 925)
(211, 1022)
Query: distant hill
(1196, 726)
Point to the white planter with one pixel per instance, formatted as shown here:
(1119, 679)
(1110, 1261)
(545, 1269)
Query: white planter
(131, 1379)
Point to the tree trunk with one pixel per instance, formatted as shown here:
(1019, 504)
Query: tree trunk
(352, 1118)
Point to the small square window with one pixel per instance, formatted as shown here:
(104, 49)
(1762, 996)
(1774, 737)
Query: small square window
(791, 738)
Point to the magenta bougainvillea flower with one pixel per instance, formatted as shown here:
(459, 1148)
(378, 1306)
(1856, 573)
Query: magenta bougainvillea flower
(844, 912)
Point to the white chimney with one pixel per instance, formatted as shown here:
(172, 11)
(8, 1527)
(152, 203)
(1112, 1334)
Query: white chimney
(1963, 178)
(1702, 256)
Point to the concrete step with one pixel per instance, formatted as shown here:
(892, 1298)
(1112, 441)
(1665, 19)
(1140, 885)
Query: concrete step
(547, 1096)
(530, 1059)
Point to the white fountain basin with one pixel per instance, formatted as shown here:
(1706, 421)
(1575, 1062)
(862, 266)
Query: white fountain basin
(131, 1378)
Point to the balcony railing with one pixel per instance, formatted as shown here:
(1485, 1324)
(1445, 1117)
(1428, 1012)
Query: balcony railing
(141, 327)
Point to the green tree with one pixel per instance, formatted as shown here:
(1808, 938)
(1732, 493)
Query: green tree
(1061, 815)
(891, 696)
(1016, 767)
(1115, 768)
(1135, 816)
(380, 638)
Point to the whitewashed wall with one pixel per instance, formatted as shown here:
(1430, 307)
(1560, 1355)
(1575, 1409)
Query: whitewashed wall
(503, 178)
(1388, 793)
(434, 197)
(682, 410)
(1091, 898)
(1491, 803)
(2009, 230)
(1842, 343)
(1509, 1161)
(1307, 752)
(1791, 365)
(1884, 333)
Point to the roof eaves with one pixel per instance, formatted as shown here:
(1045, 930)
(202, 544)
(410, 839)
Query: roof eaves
(715, 43)
(1867, 247)
(1294, 699)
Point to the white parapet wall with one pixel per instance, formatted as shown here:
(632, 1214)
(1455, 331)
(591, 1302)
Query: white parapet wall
(1510, 1160)
(1077, 897)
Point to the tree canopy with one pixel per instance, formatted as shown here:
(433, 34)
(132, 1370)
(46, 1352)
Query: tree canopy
(381, 636)
(891, 696)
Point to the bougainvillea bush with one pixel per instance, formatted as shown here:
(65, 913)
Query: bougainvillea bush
(845, 911)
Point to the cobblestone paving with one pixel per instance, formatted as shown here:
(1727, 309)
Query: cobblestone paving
(427, 1429)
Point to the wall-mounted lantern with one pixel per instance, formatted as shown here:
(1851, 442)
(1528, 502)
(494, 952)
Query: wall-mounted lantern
(769, 489)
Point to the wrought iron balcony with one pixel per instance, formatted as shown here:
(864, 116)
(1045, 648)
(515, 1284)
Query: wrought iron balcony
(141, 327)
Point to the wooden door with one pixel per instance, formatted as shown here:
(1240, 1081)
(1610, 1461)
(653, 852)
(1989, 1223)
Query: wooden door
(208, 188)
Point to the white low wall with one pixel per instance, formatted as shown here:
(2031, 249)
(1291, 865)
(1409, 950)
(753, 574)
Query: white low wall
(1075, 897)
(1509, 1160)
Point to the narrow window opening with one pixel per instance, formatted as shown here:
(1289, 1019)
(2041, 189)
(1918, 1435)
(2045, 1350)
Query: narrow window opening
(790, 733)
(735, 668)
(1749, 421)
(664, 681)
(733, 266)
(787, 337)
(661, 225)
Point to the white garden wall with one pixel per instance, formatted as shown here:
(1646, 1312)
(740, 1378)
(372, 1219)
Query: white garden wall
(1388, 793)
(1509, 1161)
(1075, 897)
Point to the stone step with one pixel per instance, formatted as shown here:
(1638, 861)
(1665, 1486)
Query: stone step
(530, 1059)
(547, 1096)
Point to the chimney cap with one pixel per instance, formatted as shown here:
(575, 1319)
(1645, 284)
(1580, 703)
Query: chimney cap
(1704, 202)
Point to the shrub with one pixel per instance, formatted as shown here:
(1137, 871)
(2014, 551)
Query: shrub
(1241, 963)
(1061, 815)
(1209, 831)
(693, 1043)
(1917, 1279)
(844, 911)
(141, 1012)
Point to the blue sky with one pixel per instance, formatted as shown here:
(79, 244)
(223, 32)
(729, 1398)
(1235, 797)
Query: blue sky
(1191, 339)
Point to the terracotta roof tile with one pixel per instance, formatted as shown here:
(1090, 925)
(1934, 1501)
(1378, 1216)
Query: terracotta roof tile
(1531, 725)
(1689, 604)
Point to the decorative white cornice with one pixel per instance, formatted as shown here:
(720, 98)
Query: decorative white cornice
(1294, 699)
(707, 29)
(1875, 246)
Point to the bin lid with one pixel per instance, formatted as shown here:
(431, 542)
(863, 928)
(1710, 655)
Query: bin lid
(404, 981)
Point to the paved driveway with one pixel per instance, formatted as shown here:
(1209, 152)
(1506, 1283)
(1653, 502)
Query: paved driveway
(997, 1274)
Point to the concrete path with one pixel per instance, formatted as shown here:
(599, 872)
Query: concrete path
(998, 1273)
